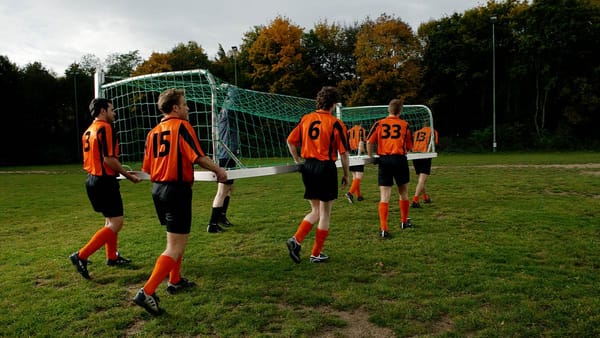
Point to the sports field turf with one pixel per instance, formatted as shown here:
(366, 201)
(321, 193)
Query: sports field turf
(510, 247)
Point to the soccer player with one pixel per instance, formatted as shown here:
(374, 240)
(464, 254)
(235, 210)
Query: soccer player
(321, 137)
(421, 144)
(101, 162)
(227, 148)
(356, 139)
(172, 149)
(393, 140)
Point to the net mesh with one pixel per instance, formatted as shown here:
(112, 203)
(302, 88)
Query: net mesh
(260, 122)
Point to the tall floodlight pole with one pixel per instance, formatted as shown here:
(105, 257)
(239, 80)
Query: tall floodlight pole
(235, 51)
(493, 19)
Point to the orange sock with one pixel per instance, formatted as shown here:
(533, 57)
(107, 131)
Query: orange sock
(111, 245)
(357, 189)
(97, 241)
(425, 197)
(320, 237)
(353, 186)
(416, 199)
(383, 215)
(175, 274)
(303, 229)
(404, 204)
(164, 264)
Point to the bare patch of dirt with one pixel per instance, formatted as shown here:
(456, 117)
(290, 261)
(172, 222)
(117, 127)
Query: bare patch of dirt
(444, 325)
(135, 328)
(358, 325)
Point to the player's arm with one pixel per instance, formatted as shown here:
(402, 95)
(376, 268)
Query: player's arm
(345, 159)
(208, 164)
(294, 152)
(115, 165)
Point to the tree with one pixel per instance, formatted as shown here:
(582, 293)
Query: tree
(157, 63)
(559, 38)
(457, 68)
(330, 52)
(387, 61)
(10, 81)
(277, 59)
(44, 118)
(330, 48)
(88, 64)
(190, 56)
(120, 66)
(181, 57)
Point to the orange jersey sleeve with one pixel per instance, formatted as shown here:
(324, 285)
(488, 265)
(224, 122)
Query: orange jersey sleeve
(321, 136)
(422, 139)
(172, 147)
(391, 135)
(99, 142)
(355, 135)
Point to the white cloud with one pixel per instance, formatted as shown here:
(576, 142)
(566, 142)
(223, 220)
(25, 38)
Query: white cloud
(59, 32)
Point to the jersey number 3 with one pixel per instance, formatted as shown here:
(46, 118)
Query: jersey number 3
(390, 131)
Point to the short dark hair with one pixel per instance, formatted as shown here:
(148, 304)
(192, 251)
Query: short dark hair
(97, 104)
(327, 97)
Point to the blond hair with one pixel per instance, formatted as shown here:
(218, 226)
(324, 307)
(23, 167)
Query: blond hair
(168, 99)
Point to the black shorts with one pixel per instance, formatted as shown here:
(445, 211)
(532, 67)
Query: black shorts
(357, 168)
(393, 168)
(104, 194)
(227, 163)
(320, 180)
(173, 204)
(422, 166)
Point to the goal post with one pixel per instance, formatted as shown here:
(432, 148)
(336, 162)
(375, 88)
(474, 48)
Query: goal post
(248, 126)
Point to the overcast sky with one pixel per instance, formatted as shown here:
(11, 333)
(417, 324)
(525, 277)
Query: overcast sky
(59, 32)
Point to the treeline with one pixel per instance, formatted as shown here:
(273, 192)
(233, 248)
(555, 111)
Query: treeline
(547, 87)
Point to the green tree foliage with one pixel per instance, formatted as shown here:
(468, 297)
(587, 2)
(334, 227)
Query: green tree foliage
(457, 69)
(120, 66)
(387, 61)
(48, 128)
(88, 64)
(188, 56)
(546, 72)
(330, 51)
(558, 40)
(10, 80)
(228, 66)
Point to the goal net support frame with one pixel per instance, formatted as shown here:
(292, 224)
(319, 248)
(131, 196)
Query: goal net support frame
(247, 126)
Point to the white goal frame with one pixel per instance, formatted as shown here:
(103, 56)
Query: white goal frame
(245, 172)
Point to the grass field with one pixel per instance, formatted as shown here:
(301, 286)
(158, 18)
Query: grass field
(510, 247)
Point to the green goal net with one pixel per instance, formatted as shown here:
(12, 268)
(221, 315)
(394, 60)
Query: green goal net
(248, 126)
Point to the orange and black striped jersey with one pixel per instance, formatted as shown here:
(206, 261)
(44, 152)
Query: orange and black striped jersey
(392, 136)
(99, 142)
(172, 147)
(356, 134)
(321, 135)
(422, 139)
